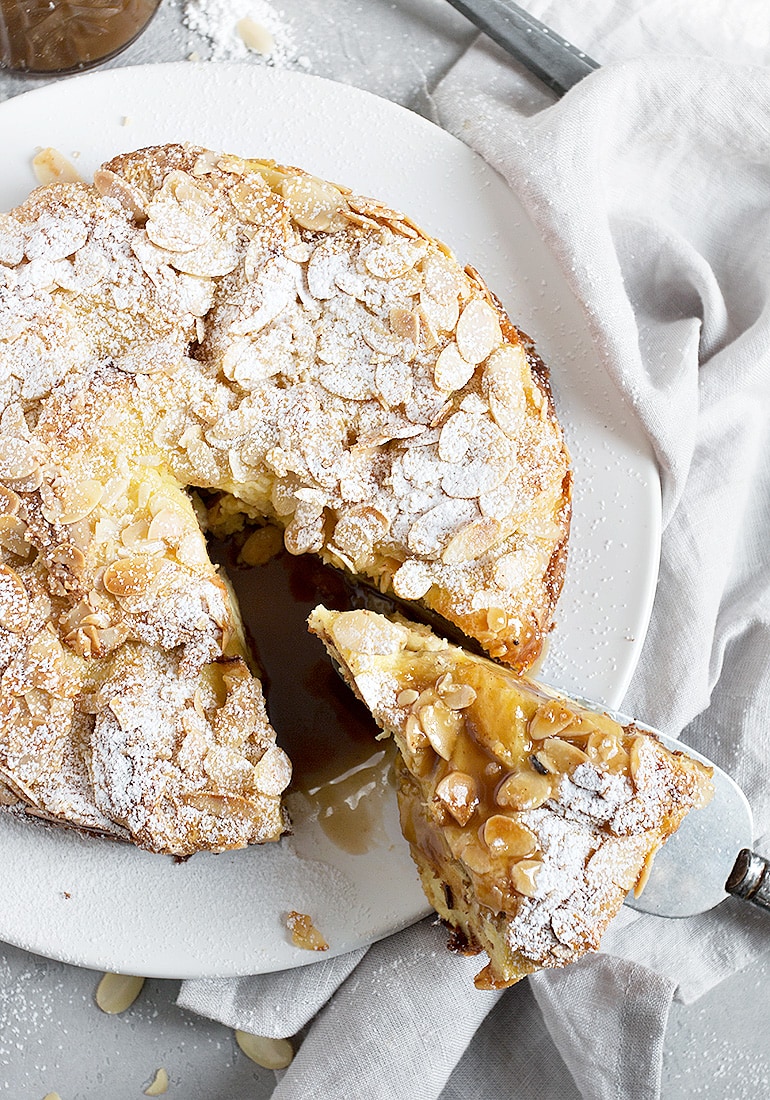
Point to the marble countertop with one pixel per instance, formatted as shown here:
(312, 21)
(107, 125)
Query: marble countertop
(52, 1035)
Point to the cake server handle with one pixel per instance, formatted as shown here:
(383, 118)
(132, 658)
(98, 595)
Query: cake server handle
(750, 879)
(552, 59)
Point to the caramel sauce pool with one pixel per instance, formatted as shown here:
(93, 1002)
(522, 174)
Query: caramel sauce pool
(338, 765)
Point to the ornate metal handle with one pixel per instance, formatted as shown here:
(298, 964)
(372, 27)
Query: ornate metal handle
(750, 879)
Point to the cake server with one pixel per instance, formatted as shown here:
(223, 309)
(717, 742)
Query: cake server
(551, 58)
(709, 857)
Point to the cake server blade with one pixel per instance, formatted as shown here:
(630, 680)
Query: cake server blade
(690, 872)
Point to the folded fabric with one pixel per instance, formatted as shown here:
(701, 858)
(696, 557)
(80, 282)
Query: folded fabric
(650, 184)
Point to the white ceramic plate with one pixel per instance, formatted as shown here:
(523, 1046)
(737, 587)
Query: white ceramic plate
(103, 905)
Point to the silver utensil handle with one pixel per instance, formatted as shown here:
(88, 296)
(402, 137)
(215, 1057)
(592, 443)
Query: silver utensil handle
(750, 879)
(552, 59)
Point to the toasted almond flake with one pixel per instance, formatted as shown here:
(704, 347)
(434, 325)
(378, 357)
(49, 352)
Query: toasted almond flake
(312, 203)
(17, 458)
(478, 331)
(159, 1084)
(524, 875)
(405, 323)
(560, 756)
(504, 836)
(130, 576)
(304, 933)
(406, 697)
(459, 793)
(117, 992)
(266, 1052)
(412, 580)
(549, 719)
(459, 696)
(523, 791)
(51, 166)
(167, 525)
(442, 727)
(12, 536)
(472, 542)
(112, 186)
(9, 501)
(451, 371)
(52, 1096)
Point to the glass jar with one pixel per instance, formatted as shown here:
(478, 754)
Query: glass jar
(64, 36)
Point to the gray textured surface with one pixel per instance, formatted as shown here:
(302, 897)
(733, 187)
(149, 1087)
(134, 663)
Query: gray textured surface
(52, 1036)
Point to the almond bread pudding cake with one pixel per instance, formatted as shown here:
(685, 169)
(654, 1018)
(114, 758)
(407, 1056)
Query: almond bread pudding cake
(198, 320)
(529, 817)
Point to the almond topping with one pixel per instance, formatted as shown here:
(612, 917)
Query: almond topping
(549, 719)
(478, 331)
(523, 791)
(524, 875)
(560, 756)
(451, 371)
(506, 837)
(9, 501)
(442, 727)
(312, 202)
(130, 576)
(459, 793)
(406, 697)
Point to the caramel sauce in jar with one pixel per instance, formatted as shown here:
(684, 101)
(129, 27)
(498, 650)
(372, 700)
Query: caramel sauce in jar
(64, 36)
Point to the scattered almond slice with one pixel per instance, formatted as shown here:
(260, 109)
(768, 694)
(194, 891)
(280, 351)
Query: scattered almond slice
(51, 166)
(159, 1084)
(117, 992)
(266, 1052)
(255, 36)
(304, 933)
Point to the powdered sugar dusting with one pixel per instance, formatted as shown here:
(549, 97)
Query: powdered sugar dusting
(228, 25)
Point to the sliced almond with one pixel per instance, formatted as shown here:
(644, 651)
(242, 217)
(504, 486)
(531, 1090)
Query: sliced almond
(130, 576)
(524, 876)
(9, 501)
(117, 992)
(51, 166)
(550, 719)
(266, 1052)
(159, 1084)
(524, 790)
(255, 36)
(560, 757)
(506, 837)
(459, 793)
(478, 331)
(312, 203)
(451, 371)
(472, 542)
(442, 727)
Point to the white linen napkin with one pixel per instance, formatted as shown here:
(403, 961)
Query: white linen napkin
(650, 182)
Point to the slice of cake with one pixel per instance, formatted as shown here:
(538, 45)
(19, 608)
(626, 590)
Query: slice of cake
(529, 816)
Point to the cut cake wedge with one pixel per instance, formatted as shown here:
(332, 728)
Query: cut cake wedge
(529, 816)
